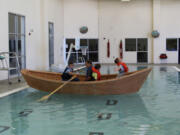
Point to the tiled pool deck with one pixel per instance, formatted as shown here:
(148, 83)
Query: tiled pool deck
(6, 89)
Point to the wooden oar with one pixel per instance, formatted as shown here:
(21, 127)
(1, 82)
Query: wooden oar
(79, 68)
(57, 89)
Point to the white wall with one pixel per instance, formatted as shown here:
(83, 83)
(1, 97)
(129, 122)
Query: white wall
(37, 14)
(111, 20)
(54, 12)
(106, 19)
(116, 20)
(120, 20)
(168, 26)
(78, 13)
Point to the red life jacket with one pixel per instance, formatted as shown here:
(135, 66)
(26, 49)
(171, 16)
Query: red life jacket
(124, 66)
(98, 73)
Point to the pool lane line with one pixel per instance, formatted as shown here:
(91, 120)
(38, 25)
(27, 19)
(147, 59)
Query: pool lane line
(13, 91)
(177, 69)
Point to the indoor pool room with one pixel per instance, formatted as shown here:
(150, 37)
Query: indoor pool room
(89, 67)
(151, 111)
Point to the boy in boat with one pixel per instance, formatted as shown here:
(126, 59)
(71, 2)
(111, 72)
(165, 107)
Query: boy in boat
(96, 73)
(68, 73)
(89, 71)
(122, 67)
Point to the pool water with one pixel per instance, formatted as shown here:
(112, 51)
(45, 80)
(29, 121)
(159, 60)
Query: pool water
(154, 110)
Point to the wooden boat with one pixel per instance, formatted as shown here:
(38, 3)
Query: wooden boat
(109, 85)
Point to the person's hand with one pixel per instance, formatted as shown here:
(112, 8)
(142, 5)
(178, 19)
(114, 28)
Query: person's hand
(71, 73)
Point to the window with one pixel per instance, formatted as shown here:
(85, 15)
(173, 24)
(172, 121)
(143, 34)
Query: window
(83, 42)
(68, 43)
(93, 45)
(171, 44)
(140, 46)
(74, 55)
(91, 52)
(130, 44)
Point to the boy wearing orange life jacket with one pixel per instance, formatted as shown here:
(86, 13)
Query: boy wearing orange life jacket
(122, 67)
(96, 73)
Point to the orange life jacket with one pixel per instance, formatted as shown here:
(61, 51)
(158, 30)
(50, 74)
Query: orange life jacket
(98, 73)
(124, 66)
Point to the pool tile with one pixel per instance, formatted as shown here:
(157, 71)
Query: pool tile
(25, 113)
(111, 102)
(103, 116)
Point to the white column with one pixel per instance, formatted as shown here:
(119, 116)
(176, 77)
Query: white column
(156, 42)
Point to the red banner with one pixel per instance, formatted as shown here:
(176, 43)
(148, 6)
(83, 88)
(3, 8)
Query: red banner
(121, 49)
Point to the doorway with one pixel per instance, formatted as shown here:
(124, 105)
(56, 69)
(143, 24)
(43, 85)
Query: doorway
(17, 41)
(51, 43)
(142, 50)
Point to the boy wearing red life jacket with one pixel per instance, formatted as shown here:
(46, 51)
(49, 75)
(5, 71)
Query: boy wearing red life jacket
(96, 73)
(122, 67)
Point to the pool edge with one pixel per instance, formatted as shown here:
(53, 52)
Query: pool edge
(13, 91)
(177, 69)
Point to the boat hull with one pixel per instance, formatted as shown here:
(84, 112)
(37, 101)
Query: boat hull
(129, 83)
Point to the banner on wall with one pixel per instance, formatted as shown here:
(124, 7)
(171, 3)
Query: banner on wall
(121, 49)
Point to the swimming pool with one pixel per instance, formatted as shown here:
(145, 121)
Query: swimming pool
(152, 111)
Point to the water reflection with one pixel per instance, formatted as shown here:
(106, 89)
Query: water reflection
(179, 77)
(19, 124)
(85, 109)
(163, 69)
(141, 67)
(3, 129)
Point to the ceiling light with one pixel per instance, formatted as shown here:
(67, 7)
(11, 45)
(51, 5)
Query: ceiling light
(125, 0)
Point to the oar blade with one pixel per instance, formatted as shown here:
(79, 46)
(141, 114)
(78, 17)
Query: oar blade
(57, 89)
(43, 98)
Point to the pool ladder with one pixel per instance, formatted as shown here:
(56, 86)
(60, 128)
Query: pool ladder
(4, 58)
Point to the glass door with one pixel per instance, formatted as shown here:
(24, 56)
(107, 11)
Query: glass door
(51, 44)
(17, 41)
(142, 50)
(93, 53)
